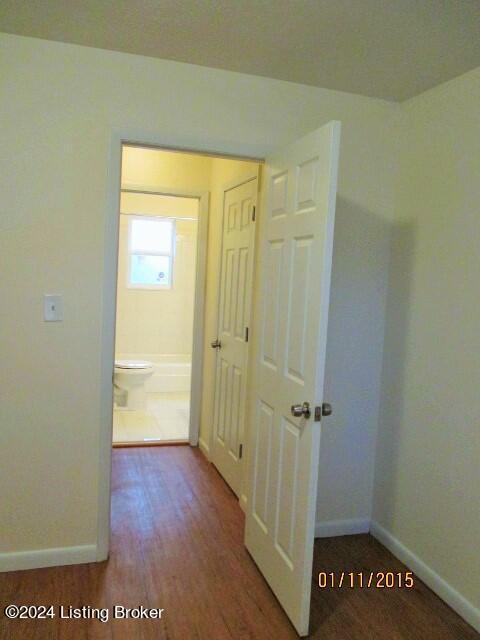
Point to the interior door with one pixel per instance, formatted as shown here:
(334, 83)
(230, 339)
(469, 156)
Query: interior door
(296, 235)
(232, 339)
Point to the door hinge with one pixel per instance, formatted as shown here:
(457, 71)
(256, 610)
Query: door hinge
(240, 452)
(254, 213)
(246, 334)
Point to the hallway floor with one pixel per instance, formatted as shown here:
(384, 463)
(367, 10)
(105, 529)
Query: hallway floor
(164, 419)
(177, 544)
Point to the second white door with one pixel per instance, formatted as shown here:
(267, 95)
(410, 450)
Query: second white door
(233, 331)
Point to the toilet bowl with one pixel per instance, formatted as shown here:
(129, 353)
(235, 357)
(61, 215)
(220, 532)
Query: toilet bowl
(129, 379)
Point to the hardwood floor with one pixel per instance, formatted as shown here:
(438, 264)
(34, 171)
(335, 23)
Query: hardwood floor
(177, 544)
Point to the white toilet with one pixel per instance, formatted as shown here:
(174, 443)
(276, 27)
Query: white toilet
(129, 383)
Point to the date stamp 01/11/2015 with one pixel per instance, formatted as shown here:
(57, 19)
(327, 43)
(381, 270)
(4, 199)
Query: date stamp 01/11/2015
(368, 580)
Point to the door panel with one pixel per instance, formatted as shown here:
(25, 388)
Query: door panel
(234, 313)
(263, 448)
(296, 238)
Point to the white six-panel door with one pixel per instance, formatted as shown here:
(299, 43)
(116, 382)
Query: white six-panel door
(296, 238)
(233, 321)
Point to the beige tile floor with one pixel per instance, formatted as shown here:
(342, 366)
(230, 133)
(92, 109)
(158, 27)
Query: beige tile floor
(165, 418)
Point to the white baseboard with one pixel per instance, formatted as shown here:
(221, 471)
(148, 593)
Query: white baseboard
(349, 527)
(446, 592)
(21, 560)
(243, 503)
(204, 448)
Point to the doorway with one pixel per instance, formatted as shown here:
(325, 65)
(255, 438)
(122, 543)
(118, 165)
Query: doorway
(291, 312)
(168, 268)
(159, 306)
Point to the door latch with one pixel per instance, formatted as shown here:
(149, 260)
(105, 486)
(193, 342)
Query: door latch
(216, 344)
(324, 410)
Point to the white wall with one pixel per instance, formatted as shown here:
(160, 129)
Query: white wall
(368, 159)
(427, 496)
(61, 105)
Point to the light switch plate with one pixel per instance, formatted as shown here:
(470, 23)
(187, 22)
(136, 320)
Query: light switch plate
(52, 307)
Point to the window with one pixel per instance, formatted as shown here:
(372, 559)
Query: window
(151, 243)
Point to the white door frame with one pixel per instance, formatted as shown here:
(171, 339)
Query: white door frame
(203, 198)
(109, 303)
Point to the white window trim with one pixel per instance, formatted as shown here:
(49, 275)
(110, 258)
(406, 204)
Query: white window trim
(171, 255)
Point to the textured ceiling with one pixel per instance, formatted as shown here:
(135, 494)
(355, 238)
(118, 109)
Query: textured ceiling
(391, 49)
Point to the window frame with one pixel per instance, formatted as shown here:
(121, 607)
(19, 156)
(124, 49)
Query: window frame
(132, 217)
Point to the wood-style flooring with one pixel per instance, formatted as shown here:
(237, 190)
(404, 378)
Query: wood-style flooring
(177, 544)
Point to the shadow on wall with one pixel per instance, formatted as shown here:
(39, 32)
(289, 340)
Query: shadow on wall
(393, 371)
(353, 362)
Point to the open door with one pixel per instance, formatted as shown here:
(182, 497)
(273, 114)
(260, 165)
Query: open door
(296, 240)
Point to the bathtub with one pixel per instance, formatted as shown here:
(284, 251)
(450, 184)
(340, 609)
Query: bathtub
(172, 371)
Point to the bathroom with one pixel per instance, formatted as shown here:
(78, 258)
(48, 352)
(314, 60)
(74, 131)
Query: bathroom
(154, 321)
(171, 265)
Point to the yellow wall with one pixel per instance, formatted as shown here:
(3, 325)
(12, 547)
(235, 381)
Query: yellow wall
(168, 169)
(163, 205)
(160, 322)
(61, 107)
